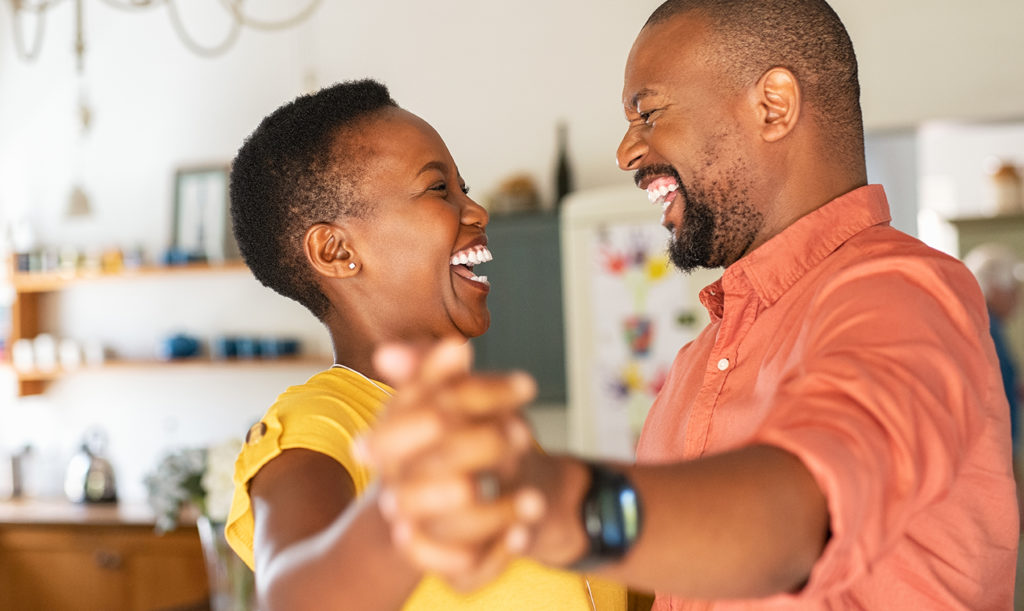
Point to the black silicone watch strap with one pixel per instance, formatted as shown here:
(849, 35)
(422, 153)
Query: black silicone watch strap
(612, 516)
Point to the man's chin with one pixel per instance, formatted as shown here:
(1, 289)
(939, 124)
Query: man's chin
(685, 256)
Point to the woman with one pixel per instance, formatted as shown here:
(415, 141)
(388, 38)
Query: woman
(354, 207)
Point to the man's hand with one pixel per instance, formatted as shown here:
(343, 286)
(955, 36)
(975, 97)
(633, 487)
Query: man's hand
(449, 452)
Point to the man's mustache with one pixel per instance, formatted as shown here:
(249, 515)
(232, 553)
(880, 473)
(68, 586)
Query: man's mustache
(660, 169)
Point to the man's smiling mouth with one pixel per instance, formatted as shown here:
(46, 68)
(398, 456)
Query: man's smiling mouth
(660, 191)
(462, 262)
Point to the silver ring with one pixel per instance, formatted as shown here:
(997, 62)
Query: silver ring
(488, 486)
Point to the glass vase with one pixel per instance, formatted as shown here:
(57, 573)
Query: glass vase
(232, 587)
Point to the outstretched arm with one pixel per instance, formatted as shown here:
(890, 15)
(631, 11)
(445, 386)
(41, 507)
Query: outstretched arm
(316, 545)
(747, 523)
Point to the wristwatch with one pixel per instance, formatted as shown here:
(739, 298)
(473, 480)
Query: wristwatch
(612, 516)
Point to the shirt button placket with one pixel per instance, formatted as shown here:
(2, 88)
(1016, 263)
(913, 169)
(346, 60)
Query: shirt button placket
(723, 364)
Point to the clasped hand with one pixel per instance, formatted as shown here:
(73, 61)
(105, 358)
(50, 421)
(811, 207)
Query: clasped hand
(450, 451)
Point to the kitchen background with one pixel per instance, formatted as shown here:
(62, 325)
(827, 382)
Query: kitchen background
(943, 85)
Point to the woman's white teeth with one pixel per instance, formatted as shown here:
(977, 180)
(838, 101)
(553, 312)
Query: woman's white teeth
(481, 280)
(472, 256)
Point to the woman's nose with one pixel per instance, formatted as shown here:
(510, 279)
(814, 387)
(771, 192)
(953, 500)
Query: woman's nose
(474, 214)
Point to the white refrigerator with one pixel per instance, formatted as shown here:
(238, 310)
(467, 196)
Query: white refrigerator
(627, 313)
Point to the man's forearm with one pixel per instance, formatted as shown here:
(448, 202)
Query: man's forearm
(747, 523)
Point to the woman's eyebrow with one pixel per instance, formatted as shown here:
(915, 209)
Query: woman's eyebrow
(433, 165)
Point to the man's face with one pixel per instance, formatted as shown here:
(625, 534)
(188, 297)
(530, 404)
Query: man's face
(687, 147)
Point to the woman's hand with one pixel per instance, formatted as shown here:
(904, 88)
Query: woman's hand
(450, 451)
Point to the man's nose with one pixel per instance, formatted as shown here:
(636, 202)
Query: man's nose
(631, 150)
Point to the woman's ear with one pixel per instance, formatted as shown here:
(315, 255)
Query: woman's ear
(329, 250)
(778, 100)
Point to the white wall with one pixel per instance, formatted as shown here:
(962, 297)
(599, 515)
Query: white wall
(494, 78)
(937, 59)
(460, 65)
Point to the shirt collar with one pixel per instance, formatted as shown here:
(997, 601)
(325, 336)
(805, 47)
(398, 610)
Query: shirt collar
(772, 268)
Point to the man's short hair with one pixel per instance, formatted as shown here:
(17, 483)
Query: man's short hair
(804, 36)
(297, 170)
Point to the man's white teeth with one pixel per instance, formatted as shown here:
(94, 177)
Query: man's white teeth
(481, 280)
(472, 256)
(658, 195)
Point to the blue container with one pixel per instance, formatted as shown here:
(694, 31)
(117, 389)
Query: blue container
(180, 346)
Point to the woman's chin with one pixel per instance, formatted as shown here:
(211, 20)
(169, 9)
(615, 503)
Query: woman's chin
(475, 327)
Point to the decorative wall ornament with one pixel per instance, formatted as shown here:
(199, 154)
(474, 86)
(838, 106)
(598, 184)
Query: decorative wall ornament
(30, 16)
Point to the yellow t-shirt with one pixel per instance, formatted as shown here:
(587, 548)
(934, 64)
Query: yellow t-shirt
(325, 414)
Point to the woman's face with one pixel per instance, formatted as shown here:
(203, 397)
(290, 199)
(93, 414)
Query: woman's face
(421, 220)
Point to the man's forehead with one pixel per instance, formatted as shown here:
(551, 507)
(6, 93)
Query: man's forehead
(663, 53)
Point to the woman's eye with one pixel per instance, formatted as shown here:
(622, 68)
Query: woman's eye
(646, 116)
(442, 187)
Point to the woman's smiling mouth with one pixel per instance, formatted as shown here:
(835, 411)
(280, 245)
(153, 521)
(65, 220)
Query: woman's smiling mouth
(462, 262)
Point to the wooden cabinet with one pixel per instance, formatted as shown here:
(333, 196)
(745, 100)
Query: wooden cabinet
(89, 567)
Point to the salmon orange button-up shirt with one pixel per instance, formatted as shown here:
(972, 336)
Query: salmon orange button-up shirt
(866, 354)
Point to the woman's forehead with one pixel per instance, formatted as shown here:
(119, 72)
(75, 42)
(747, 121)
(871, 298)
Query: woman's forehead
(400, 142)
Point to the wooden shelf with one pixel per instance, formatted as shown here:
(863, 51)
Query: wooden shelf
(45, 282)
(33, 377)
(30, 289)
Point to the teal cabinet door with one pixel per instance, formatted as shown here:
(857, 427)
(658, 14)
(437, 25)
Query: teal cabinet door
(527, 330)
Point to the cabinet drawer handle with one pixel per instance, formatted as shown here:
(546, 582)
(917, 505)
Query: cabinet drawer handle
(110, 561)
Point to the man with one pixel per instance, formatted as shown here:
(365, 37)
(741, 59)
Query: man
(999, 275)
(835, 438)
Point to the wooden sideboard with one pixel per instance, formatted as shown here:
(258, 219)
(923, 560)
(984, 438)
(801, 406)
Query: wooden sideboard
(57, 557)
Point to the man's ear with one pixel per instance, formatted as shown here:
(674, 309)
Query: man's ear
(778, 101)
(330, 252)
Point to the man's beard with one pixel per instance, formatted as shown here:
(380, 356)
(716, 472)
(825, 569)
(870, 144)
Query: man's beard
(713, 234)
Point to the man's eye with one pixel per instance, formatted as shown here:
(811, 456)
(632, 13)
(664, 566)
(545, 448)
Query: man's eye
(646, 116)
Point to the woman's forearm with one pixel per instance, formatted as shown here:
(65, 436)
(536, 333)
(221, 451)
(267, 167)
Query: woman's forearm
(349, 565)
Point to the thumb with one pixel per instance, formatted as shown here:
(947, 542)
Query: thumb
(396, 362)
(399, 363)
(450, 357)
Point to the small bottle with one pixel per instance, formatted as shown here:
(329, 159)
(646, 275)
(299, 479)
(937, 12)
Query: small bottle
(1006, 183)
(563, 171)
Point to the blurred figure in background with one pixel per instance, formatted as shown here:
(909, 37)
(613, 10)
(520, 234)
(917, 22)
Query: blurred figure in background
(1000, 272)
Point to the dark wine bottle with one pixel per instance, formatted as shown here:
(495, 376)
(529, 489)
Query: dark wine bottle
(563, 171)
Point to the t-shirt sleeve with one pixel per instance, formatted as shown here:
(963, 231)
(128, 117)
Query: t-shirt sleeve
(305, 418)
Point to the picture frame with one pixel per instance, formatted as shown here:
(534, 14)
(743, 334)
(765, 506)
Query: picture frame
(201, 223)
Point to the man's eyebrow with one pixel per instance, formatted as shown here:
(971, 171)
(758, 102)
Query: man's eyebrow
(639, 95)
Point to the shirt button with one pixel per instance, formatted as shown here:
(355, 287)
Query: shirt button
(723, 364)
(256, 432)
